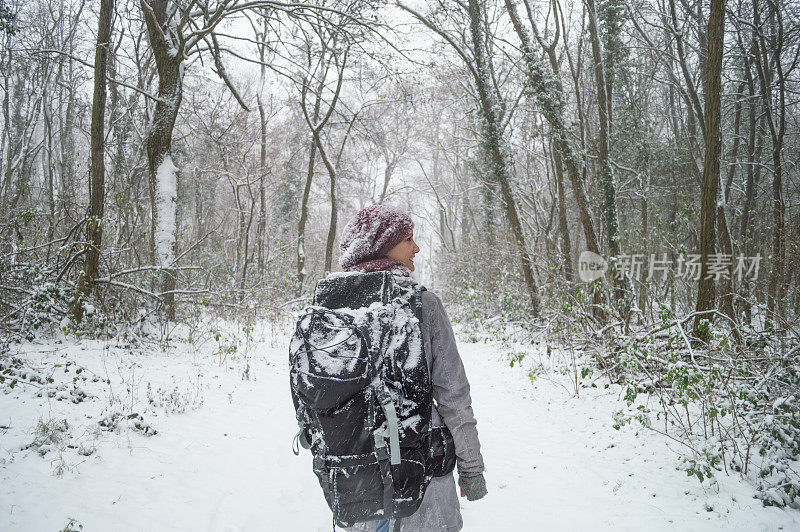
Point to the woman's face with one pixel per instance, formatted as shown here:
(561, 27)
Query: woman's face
(404, 252)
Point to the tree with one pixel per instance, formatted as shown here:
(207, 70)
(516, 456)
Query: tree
(770, 70)
(548, 90)
(165, 25)
(314, 80)
(711, 163)
(606, 175)
(176, 31)
(94, 225)
(479, 68)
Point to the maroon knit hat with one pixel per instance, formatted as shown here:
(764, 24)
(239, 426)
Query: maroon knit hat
(372, 233)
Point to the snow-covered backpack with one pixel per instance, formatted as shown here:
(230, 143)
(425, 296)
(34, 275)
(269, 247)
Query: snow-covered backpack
(362, 393)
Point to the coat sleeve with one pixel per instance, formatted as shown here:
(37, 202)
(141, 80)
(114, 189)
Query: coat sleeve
(451, 387)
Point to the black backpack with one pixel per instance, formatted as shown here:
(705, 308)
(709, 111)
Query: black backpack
(362, 393)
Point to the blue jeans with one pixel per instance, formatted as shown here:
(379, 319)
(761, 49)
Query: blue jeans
(382, 526)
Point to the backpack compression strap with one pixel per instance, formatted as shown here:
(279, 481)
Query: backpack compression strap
(391, 456)
(386, 475)
(392, 423)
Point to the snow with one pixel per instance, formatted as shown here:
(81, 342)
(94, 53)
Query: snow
(222, 458)
(166, 198)
(356, 247)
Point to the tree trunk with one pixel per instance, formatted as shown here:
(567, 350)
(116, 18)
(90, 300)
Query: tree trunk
(161, 168)
(122, 121)
(5, 186)
(753, 154)
(241, 236)
(563, 227)
(334, 207)
(47, 167)
(261, 227)
(301, 226)
(245, 238)
(68, 147)
(94, 227)
(606, 176)
(262, 190)
(387, 177)
(770, 74)
(199, 200)
(726, 282)
(737, 121)
(711, 163)
(644, 211)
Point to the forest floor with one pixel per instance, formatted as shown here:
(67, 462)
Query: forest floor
(77, 449)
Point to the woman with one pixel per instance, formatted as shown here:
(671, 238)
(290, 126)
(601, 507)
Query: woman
(381, 238)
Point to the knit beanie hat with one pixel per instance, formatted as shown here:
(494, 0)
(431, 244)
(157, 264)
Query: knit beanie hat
(372, 233)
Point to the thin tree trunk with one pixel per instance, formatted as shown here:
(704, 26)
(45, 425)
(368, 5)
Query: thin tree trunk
(301, 226)
(199, 226)
(94, 227)
(387, 177)
(331, 167)
(68, 146)
(241, 235)
(563, 227)
(753, 153)
(122, 121)
(737, 120)
(334, 207)
(246, 243)
(726, 282)
(262, 189)
(5, 186)
(774, 113)
(47, 163)
(643, 210)
(261, 228)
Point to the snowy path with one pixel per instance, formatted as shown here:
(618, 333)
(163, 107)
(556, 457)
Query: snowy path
(554, 461)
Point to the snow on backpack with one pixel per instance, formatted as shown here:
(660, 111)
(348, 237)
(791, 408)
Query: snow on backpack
(362, 393)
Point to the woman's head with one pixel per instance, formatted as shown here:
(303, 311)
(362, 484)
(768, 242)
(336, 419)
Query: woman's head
(378, 232)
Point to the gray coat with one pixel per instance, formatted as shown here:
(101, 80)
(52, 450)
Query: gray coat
(440, 510)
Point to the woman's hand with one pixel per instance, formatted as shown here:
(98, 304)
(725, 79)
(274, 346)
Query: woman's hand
(473, 486)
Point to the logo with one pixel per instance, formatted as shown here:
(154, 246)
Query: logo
(591, 266)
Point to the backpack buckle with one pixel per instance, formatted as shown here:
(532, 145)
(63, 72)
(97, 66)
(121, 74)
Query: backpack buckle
(381, 451)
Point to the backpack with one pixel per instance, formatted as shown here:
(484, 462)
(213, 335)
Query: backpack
(362, 394)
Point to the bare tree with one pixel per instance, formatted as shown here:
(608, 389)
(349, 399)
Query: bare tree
(176, 31)
(94, 224)
(480, 69)
(768, 44)
(548, 90)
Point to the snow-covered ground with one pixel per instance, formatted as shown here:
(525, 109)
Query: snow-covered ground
(221, 457)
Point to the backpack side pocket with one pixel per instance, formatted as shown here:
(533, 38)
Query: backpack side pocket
(442, 455)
